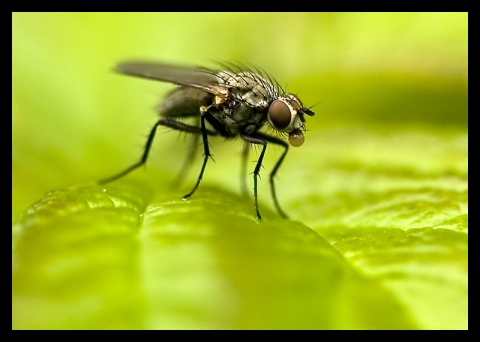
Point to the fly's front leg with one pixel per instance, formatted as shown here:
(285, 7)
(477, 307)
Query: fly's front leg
(282, 143)
(263, 139)
(256, 172)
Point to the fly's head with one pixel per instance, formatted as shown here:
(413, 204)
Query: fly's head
(287, 114)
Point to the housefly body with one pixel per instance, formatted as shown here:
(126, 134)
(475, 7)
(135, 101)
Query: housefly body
(234, 102)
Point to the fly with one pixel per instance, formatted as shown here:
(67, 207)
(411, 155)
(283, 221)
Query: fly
(234, 102)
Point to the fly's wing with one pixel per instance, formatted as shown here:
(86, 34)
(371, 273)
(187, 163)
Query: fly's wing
(198, 78)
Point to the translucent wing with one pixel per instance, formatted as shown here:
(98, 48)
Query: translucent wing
(200, 78)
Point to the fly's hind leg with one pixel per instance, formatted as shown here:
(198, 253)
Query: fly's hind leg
(168, 122)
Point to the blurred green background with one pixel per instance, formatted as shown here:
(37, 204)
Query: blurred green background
(382, 176)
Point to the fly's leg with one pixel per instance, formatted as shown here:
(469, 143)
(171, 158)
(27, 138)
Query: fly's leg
(207, 155)
(243, 171)
(192, 149)
(168, 122)
(263, 139)
(282, 143)
(256, 172)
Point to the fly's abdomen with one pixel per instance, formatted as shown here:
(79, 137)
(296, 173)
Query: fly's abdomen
(184, 101)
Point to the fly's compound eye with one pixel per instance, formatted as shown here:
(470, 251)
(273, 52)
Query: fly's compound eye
(279, 115)
(296, 138)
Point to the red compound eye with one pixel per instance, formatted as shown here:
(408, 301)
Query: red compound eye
(279, 114)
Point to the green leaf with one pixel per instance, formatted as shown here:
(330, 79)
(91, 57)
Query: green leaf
(122, 257)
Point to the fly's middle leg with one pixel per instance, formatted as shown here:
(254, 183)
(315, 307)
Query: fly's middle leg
(207, 155)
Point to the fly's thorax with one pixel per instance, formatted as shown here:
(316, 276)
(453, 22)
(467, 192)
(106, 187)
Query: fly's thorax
(236, 116)
(286, 114)
(250, 88)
